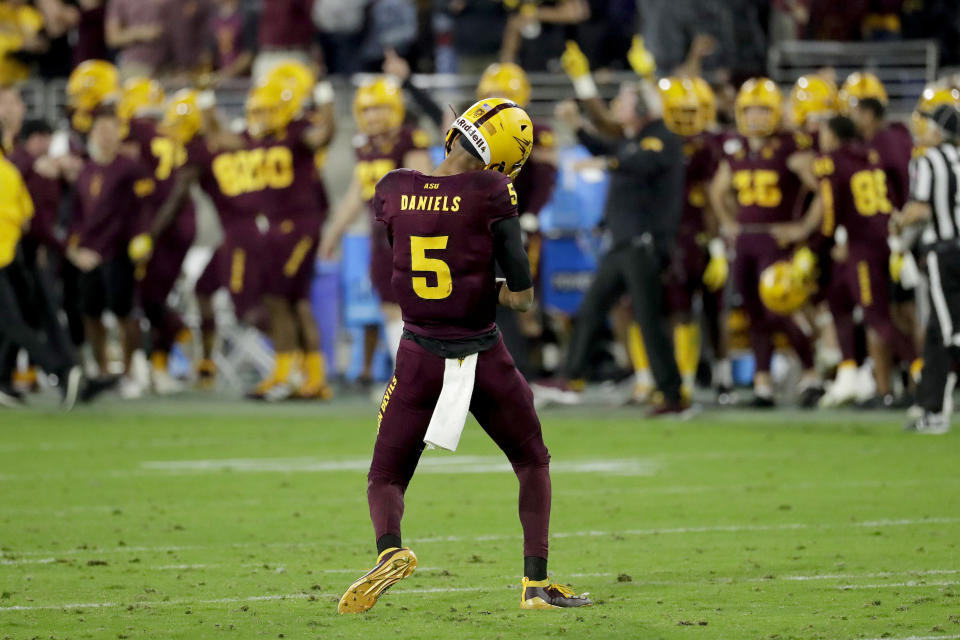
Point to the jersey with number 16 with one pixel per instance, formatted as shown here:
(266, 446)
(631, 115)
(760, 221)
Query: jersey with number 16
(443, 247)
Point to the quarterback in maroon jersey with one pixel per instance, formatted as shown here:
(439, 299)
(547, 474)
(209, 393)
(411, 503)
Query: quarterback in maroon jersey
(385, 144)
(756, 188)
(448, 230)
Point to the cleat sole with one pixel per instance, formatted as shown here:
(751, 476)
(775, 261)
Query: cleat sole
(363, 594)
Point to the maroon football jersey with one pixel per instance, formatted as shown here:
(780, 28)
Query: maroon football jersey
(853, 189)
(220, 178)
(536, 180)
(894, 144)
(376, 157)
(113, 203)
(443, 261)
(45, 193)
(700, 156)
(766, 190)
(162, 156)
(280, 174)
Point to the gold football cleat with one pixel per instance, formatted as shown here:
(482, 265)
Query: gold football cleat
(393, 565)
(543, 594)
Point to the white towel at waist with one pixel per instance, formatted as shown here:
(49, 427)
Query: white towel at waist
(450, 414)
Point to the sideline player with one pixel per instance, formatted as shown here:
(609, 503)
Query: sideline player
(279, 173)
(755, 188)
(166, 241)
(448, 230)
(114, 197)
(698, 265)
(384, 144)
(853, 194)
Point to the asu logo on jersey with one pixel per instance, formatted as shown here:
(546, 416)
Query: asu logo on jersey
(252, 170)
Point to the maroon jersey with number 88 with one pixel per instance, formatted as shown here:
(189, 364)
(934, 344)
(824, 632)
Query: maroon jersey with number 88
(443, 253)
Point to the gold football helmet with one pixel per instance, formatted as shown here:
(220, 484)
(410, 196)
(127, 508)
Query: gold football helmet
(298, 77)
(931, 98)
(860, 85)
(90, 84)
(506, 80)
(500, 133)
(382, 92)
(707, 99)
(139, 94)
(812, 97)
(271, 106)
(782, 289)
(183, 118)
(682, 111)
(761, 93)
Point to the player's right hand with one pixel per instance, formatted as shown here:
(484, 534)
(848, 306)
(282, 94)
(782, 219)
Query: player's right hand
(640, 58)
(574, 61)
(140, 248)
(328, 246)
(896, 266)
(716, 273)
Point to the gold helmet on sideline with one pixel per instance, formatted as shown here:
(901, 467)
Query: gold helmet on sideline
(183, 118)
(682, 111)
(931, 98)
(505, 80)
(298, 76)
(89, 85)
(812, 97)
(860, 85)
(762, 93)
(139, 94)
(271, 106)
(382, 92)
(499, 131)
(707, 99)
(782, 288)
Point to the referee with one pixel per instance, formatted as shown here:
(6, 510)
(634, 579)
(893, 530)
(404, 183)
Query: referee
(642, 212)
(935, 202)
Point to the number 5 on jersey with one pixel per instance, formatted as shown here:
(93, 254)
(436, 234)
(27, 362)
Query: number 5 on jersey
(419, 245)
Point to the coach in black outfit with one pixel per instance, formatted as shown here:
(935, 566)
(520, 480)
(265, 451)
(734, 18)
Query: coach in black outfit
(934, 202)
(642, 213)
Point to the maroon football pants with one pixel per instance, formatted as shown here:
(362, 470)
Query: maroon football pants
(867, 279)
(503, 405)
(756, 252)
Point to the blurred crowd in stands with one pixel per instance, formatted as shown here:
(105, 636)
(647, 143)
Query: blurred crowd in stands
(227, 38)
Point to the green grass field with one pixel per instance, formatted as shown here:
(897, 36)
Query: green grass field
(196, 518)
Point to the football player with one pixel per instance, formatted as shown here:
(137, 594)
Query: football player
(853, 194)
(211, 162)
(114, 197)
(384, 144)
(534, 184)
(448, 230)
(279, 173)
(698, 266)
(162, 249)
(756, 187)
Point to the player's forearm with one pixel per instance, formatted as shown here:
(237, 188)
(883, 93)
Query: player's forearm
(516, 300)
(167, 212)
(602, 118)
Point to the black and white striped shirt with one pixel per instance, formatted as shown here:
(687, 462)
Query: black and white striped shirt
(935, 180)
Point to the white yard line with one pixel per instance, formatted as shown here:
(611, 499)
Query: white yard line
(728, 528)
(953, 637)
(184, 602)
(911, 583)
